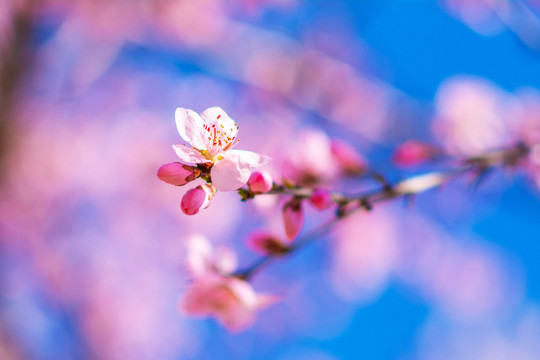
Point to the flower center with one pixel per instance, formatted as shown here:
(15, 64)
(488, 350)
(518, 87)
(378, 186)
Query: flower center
(218, 139)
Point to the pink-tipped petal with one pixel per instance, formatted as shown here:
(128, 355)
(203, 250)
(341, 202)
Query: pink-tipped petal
(260, 182)
(177, 174)
(189, 155)
(293, 218)
(190, 126)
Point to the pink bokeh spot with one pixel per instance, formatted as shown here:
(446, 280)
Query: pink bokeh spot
(321, 198)
(413, 153)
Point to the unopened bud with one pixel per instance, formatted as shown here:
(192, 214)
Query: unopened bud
(260, 182)
(348, 158)
(177, 174)
(197, 198)
(267, 244)
(293, 218)
(321, 198)
(412, 153)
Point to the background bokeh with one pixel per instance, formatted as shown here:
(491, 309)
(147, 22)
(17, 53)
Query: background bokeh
(92, 243)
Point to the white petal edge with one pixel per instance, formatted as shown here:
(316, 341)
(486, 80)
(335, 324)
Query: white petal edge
(233, 171)
(250, 158)
(190, 127)
(189, 156)
(216, 115)
(228, 174)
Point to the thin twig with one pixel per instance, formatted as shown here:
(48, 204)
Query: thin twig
(481, 166)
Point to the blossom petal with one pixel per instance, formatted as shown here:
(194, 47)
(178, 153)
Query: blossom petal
(225, 260)
(229, 174)
(195, 300)
(243, 291)
(188, 155)
(190, 126)
(233, 171)
(248, 158)
(216, 115)
(199, 255)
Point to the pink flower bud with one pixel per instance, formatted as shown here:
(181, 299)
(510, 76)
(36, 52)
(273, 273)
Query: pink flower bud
(177, 174)
(413, 152)
(260, 182)
(267, 244)
(197, 198)
(321, 198)
(348, 158)
(293, 218)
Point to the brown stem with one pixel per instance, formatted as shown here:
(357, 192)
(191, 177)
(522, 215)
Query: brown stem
(13, 66)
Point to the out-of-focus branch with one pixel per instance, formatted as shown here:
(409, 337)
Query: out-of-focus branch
(520, 20)
(14, 63)
(477, 166)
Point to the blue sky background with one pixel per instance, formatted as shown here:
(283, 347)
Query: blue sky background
(412, 45)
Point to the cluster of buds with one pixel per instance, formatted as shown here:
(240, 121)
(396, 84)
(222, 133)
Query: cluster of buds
(195, 199)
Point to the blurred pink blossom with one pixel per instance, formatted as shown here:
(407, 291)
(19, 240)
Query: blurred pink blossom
(215, 292)
(472, 116)
(231, 300)
(203, 259)
(349, 160)
(364, 253)
(309, 160)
